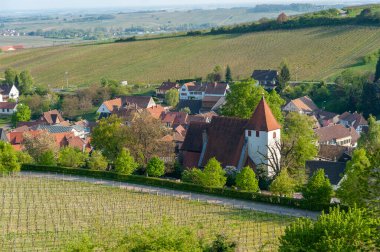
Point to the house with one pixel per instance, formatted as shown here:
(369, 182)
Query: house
(266, 78)
(204, 117)
(156, 111)
(8, 92)
(336, 153)
(3, 135)
(166, 86)
(302, 105)
(212, 103)
(175, 119)
(77, 130)
(355, 120)
(234, 142)
(337, 135)
(197, 91)
(51, 117)
(334, 171)
(326, 118)
(142, 102)
(8, 108)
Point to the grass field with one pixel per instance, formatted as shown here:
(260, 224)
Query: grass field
(38, 214)
(317, 52)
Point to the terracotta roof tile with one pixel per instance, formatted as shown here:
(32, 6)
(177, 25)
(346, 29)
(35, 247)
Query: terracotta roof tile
(263, 118)
(111, 103)
(305, 104)
(334, 132)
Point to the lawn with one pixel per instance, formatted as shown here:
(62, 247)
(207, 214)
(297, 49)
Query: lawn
(317, 53)
(41, 214)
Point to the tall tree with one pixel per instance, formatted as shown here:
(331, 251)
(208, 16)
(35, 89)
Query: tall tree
(10, 76)
(216, 74)
(228, 74)
(284, 75)
(318, 189)
(377, 73)
(282, 18)
(246, 95)
(26, 82)
(172, 97)
(37, 145)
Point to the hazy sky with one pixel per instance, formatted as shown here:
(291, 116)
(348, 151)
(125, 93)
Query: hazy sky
(73, 4)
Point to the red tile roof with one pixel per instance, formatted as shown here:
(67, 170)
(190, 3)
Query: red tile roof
(334, 132)
(156, 111)
(8, 105)
(263, 118)
(52, 117)
(165, 86)
(111, 103)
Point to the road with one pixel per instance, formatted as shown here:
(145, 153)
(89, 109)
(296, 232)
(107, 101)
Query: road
(235, 203)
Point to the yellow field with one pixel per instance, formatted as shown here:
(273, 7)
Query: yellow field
(317, 52)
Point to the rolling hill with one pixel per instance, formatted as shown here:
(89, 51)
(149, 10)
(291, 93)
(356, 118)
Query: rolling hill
(317, 53)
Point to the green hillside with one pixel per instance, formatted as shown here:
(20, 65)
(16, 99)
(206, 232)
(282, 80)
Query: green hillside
(317, 53)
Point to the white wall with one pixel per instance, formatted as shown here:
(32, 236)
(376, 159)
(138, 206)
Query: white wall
(103, 109)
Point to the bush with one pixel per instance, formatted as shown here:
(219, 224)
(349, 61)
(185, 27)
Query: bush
(8, 158)
(155, 167)
(213, 174)
(283, 185)
(72, 157)
(246, 180)
(97, 161)
(318, 190)
(354, 230)
(125, 163)
(221, 244)
(24, 158)
(47, 158)
(194, 176)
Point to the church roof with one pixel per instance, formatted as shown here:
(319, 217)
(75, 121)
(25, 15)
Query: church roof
(263, 118)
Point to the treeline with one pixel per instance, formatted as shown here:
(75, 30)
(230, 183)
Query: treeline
(282, 7)
(330, 17)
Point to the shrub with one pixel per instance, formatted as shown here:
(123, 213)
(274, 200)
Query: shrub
(125, 163)
(194, 176)
(24, 158)
(155, 167)
(72, 157)
(283, 185)
(354, 230)
(318, 189)
(97, 161)
(246, 180)
(47, 158)
(8, 158)
(213, 174)
(221, 244)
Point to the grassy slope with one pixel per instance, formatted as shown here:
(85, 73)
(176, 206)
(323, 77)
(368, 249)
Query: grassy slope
(319, 52)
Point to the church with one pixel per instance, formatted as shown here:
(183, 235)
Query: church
(235, 142)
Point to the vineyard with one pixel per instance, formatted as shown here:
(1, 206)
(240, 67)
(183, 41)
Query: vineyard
(312, 54)
(41, 214)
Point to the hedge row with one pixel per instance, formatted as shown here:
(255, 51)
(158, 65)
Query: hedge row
(170, 184)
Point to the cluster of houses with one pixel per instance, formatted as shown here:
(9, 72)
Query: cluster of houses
(8, 99)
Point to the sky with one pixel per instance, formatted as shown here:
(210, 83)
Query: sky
(77, 4)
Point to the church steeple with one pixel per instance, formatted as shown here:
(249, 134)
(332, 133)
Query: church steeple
(263, 119)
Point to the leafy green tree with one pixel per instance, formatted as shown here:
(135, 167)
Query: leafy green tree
(125, 163)
(283, 185)
(186, 110)
(244, 98)
(47, 158)
(354, 189)
(354, 230)
(221, 244)
(370, 102)
(9, 161)
(370, 141)
(246, 180)
(97, 161)
(155, 167)
(37, 145)
(22, 114)
(284, 75)
(216, 75)
(71, 157)
(318, 189)
(172, 97)
(193, 175)
(298, 144)
(377, 73)
(26, 82)
(24, 158)
(10, 76)
(213, 174)
(228, 74)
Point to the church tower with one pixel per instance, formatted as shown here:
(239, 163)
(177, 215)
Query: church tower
(263, 134)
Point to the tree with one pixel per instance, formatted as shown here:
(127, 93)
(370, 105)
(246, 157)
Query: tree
(186, 110)
(24, 158)
(370, 141)
(97, 161)
(377, 73)
(47, 158)
(9, 161)
(216, 74)
(318, 189)
(22, 114)
(282, 18)
(125, 163)
(246, 180)
(370, 103)
(10, 76)
(221, 244)
(38, 144)
(228, 74)
(26, 82)
(352, 230)
(354, 189)
(71, 157)
(172, 97)
(213, 174)
(284, 75)
(283, 185)
(155, 167)
(244, 98)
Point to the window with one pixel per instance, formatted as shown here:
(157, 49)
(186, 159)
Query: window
(257, 133)
(274, 135)
(249, 133)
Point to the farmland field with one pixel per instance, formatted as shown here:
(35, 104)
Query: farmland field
(317, 53)
(39, 214)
